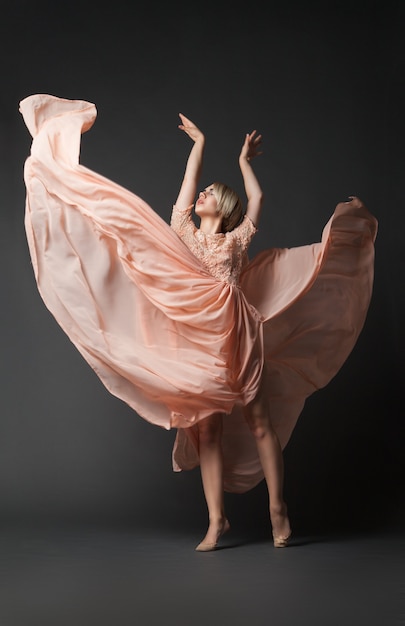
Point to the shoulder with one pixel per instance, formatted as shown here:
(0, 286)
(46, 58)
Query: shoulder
(244, 232)
(181, 219)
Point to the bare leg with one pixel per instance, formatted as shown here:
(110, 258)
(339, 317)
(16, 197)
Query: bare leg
(271, 458)
(211, 465)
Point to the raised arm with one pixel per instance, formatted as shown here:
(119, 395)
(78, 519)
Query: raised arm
(254, 193)
(193, 170)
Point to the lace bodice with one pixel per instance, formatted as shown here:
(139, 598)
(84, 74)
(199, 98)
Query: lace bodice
(223, 254)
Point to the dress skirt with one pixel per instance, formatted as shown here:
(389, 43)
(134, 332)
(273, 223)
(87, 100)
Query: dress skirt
(164, 335)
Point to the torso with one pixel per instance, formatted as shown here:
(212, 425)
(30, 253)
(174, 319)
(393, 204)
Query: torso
(223, 254)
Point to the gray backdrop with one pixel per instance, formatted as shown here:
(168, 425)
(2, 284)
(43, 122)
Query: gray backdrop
(323, 82)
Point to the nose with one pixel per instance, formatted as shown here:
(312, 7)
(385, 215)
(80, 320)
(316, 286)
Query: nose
(202, 193)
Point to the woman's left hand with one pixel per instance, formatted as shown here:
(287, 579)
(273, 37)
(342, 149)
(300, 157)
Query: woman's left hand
(251, 146)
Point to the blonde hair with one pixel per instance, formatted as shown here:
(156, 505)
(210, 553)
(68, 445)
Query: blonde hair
(229, 206)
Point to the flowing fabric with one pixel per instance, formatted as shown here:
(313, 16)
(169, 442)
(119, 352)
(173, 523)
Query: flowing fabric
(163, 334)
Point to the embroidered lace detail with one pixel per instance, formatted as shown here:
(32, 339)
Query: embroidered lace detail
(223, 254)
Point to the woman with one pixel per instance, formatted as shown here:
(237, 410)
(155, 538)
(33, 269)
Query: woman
(220, 211)
(176, 321)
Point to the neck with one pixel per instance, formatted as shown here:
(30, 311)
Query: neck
(211, 225)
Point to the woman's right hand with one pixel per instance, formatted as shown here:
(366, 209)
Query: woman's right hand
(190, 128)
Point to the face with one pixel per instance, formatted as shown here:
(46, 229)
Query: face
(206, 203)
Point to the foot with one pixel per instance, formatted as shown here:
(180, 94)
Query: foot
(280, 526)
(214, 533)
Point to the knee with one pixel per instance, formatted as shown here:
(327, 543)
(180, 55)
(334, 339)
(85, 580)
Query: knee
(258, 430)
(258, 421)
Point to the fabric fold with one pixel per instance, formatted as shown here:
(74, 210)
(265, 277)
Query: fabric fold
(163, 334)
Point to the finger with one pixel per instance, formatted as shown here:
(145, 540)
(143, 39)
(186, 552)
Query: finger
(185, 120)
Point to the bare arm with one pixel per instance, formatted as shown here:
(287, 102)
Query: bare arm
(193, 170)
(252, 188)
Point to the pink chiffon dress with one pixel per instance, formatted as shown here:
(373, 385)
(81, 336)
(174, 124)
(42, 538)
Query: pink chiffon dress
(179, 324)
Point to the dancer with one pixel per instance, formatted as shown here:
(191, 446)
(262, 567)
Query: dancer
(223, 239)
(176, 320)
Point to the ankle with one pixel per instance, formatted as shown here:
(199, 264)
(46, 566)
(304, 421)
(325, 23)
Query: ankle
(217, 519)
(279, 509)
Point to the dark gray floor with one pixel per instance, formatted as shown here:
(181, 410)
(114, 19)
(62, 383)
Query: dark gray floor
(85, 575)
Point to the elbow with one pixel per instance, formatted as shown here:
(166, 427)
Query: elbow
(259, 199)
(256, 198)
